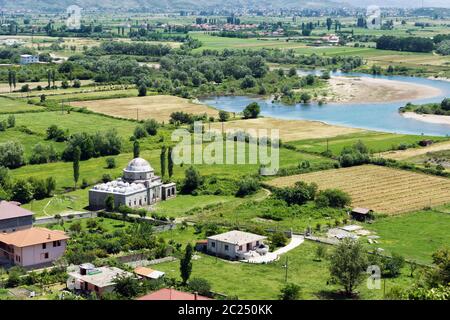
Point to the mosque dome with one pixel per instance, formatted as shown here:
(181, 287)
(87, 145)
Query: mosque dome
(138, 165)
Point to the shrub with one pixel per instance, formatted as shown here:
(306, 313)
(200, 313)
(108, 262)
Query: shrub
(111, 163)
(201, 286)
(247, 186)
(333, 198)
(252, 111)
(140, 132)
(151, 126)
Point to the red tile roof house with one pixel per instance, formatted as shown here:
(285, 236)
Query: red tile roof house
(172, 294)
(33, 247)
(13, 217)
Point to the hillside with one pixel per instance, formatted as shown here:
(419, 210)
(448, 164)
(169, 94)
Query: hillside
(58, 5)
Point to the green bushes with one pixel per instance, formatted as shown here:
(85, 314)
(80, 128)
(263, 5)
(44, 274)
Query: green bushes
(299, 194)
(247, 186)
(252, 111)
(333, 198)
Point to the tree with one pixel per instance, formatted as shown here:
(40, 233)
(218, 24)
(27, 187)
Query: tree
(201, 286)
(151, 126)
(11, 121)
(248, 82)
(142, 90)
(252, 111)
(170, 162)
(278, 239)
(162, 159)
(11, 154)
(393, 266)
(186, 264)
(22, 191)
(192, 180)
(290, 291)
(247, 186)
(299, 194)
(136, 149)
(334, 198)
(109, 203)
(224, 116)
(305, 97)
(140, 132)
(321, 252)
(127, 286)
(76, 165)
(50, 186)
(347, 264)
(445, 104)
(329, 23)
(111, 163)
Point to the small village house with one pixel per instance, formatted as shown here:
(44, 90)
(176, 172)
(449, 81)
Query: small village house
(13, 217)
(172, 294)
(236, 245)
(87, 278)
(28, 59)
(33, 247)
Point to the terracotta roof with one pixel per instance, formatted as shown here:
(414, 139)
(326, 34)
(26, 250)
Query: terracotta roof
(10, 210)
(32, 236)
(171, 294)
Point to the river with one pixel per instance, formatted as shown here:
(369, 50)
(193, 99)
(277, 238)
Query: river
(382, 116)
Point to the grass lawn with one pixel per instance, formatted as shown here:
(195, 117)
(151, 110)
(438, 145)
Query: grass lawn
(375, 141)
(10, 105)
(68, 97)
(28, 141)
(74, 122)
(110, 225)
(71, 201)
(180, 205)
(416, 235)
(249, 281)
(93, 169)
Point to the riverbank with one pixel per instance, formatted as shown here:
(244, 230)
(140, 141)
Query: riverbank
(430, 118)
(370, 90)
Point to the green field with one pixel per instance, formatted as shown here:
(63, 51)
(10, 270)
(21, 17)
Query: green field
(11, 106)
(375, 141)
(250, 281)
(416, 235)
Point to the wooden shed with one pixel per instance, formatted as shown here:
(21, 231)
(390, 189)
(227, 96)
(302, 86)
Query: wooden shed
(362, 214)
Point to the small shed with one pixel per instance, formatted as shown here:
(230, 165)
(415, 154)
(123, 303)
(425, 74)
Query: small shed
(149, 273)
(201, 245)
(362, 214)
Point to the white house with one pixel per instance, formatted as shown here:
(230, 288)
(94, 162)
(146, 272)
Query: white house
(28, 59)
(236, 245)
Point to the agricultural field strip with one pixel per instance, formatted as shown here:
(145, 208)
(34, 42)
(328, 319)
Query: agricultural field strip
(394, 192)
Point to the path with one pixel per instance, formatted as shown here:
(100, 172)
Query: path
(296, 240)
(405, 154)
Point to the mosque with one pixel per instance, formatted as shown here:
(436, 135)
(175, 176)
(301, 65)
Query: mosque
(138, 187)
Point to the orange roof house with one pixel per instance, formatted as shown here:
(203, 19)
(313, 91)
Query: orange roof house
(171, 294)
(33, 246)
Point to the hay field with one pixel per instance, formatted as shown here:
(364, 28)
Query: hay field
(290, 130)
(155, 107)
(381, 189)
(410, 153)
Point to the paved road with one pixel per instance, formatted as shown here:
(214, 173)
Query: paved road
(296, 240)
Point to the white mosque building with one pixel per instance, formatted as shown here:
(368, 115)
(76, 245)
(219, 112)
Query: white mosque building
(138, 187)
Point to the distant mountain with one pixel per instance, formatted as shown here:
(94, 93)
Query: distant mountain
(53, 5)
(401, 3)
(59, 5)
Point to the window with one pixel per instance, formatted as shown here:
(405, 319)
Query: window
(240, 248)
(57, 243)
(44, 246)
(226, 247)
(257, 243)
(213, 244)
(46, 255)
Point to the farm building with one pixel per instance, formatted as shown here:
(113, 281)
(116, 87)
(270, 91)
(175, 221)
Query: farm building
(362, 214)
(138, 187)
(148, 273)
(236, 245)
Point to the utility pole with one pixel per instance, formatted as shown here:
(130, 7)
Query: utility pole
(137, 114)
(286, 271)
